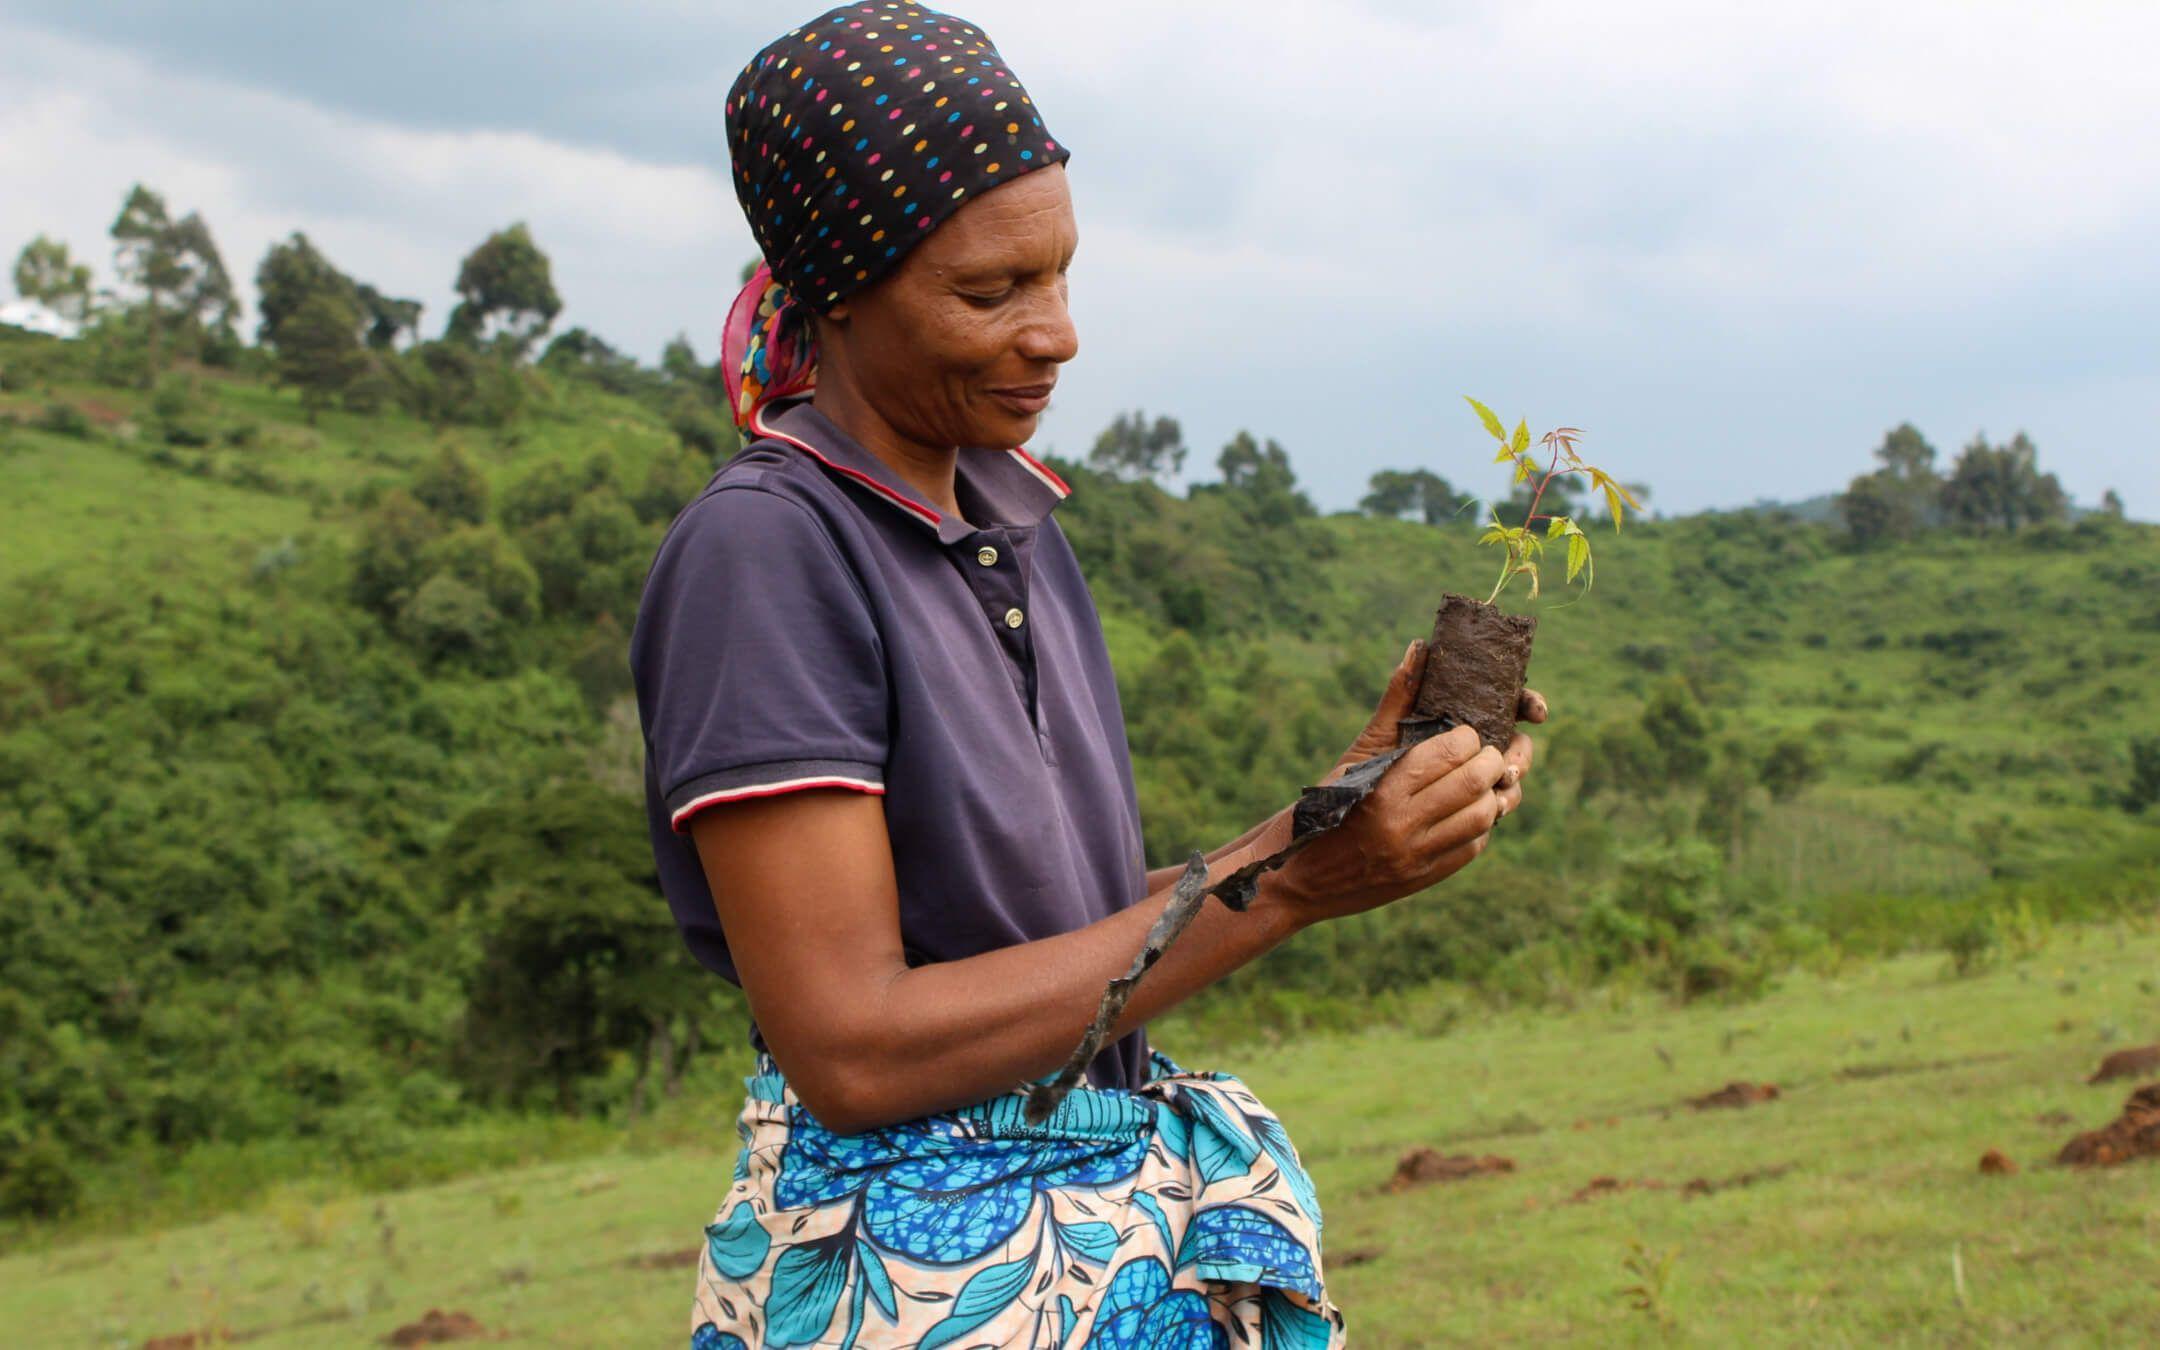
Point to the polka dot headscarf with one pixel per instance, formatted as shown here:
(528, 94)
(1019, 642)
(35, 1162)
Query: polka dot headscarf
(852, 137)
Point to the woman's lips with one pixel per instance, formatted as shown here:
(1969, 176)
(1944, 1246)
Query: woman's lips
(1026, 400)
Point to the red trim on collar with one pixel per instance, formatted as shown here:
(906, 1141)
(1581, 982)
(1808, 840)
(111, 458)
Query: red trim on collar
(1042, 471)
(914, 508)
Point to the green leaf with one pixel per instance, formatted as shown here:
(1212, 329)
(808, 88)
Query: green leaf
(1506, 452)
(1491, 419)
(1531, 568)
(1559, 526)
(1522, 437)
(1523, 469)
(1578, 553)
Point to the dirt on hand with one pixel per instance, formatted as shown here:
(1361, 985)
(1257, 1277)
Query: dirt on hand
(2131, 1063)
(1996, 1163)
(437, 1326)
(2132, 1135)
(1735, 1094)
(1424, 1166)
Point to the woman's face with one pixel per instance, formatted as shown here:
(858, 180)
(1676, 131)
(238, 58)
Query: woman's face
(961, 344)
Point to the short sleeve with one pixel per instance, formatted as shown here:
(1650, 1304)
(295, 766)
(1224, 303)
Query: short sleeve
(757, 660)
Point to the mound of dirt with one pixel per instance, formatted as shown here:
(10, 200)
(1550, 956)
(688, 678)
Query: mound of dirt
(1424, 1166)
(1601, 1187)
(1356, 1256)
(2132, 1063)
(1735, 1094)
(1706, 1186)
(681, 1260)
(198, 1340)
(2133, 1134)
(1996, 1163)
(437, 1326)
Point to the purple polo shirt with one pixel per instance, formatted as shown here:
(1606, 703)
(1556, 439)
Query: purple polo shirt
(811, 622)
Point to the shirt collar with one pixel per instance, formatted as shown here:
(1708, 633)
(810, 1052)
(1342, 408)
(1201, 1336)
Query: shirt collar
(1014, 487)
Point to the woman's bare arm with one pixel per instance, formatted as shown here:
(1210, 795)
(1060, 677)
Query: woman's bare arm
(806, 893)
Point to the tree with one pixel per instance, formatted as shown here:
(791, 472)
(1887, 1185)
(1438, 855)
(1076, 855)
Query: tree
(1419, 493)
(1675, 725)
(389, 318)
(318, 352)
(389, 563)
(1875, 512)
(2111, 503)
(1259, 480)
(1788, 766)
(577, 960)
(45, 273)
(2001, 487)
(506, 293)
(586, 355)
(291, 273)
(1133, 448)
(1899, 497)
(451, 487)
(176, 266)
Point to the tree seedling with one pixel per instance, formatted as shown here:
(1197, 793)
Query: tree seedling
(1479, 655)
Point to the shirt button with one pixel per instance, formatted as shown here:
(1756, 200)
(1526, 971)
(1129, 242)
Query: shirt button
(1014, 618)
(986, 555)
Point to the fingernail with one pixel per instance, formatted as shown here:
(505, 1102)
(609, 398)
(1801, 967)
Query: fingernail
(1407, 651)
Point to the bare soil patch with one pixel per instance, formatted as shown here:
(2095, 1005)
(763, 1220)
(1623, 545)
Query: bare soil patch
(2132, 1135)
(436, 1326)
(681, 1260)
(2133, 1063)
(1424, 1166)
(1735, 1094)
(1996, 1163)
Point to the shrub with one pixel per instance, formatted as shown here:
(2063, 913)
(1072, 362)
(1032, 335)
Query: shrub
(64, 419)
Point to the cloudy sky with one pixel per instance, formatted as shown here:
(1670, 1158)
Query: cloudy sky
(1734, 242)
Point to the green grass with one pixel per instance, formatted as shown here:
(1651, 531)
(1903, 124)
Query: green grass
(1895, 1080)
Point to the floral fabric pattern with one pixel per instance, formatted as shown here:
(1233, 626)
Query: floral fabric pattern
(1176, 1215)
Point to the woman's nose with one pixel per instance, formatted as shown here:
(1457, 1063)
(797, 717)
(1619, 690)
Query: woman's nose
(1051, 336)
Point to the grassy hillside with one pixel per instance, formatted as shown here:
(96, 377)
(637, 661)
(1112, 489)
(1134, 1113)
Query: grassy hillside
(1848, 1211)
(316, 757)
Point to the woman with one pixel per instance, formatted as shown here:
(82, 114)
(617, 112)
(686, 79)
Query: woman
(888, 780)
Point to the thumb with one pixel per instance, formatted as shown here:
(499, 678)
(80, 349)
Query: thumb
(1401, 690)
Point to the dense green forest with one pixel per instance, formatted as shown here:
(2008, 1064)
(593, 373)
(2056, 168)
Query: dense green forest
(320, 813)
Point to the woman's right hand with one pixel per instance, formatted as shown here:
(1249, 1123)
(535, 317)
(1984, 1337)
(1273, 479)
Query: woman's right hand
(1427, 817)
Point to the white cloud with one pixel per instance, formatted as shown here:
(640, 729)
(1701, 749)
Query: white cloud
(1736, 242)
(638, 249)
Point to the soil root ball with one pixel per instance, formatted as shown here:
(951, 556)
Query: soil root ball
(1996, 1163)
(1423, 1166)
(1475, 665)
(2133, 1134)
(2127, 1064)
(1735, 1094)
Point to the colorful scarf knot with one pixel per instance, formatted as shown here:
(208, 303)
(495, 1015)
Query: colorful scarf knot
(768, 350)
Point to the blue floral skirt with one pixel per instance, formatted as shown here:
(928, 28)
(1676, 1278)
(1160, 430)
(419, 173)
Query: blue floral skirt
(1173, 1215)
